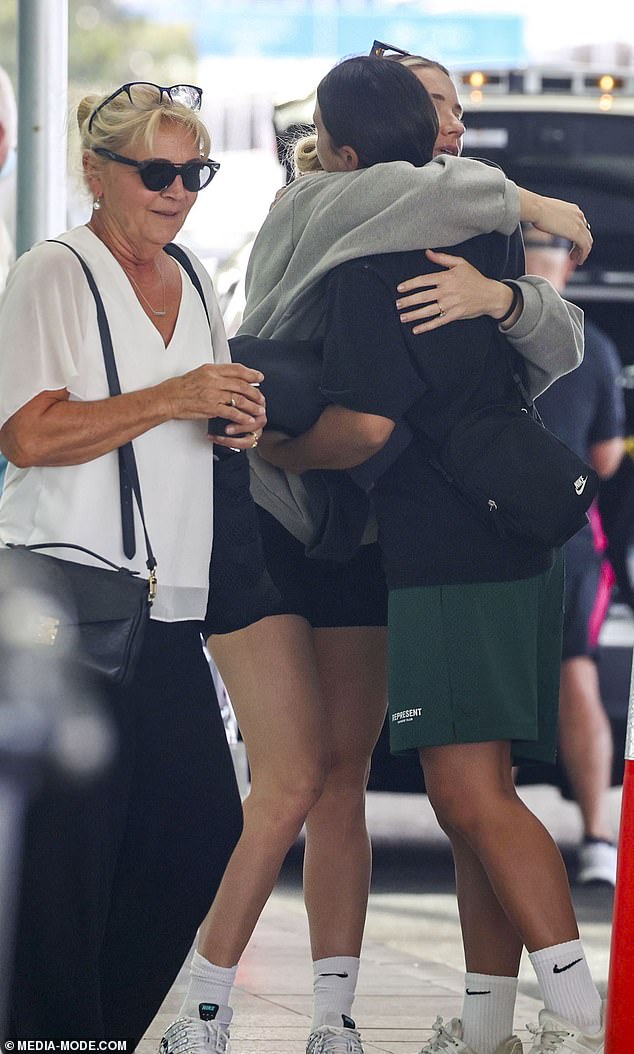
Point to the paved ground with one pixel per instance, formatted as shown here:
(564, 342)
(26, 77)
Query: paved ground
(412, 962)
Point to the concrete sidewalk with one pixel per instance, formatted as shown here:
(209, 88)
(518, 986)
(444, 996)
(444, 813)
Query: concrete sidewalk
(412, 961)
(398, 994)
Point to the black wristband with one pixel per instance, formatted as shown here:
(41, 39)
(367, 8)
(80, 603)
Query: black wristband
(514, 302)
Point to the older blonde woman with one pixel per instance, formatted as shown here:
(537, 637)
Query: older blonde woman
(116, 880)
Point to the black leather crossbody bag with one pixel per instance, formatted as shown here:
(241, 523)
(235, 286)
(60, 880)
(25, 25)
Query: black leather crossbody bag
(96, 614)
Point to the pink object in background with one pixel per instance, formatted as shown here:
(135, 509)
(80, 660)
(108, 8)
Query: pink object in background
(607, 578)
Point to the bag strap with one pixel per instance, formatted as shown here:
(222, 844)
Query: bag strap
(179, 254)
(513, 359)
(172, 249)
(69, 545)
(129, 482)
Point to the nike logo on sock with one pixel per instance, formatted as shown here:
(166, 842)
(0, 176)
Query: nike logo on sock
(568, 966)
(469, 992)
(333, 975)
(207, 1011)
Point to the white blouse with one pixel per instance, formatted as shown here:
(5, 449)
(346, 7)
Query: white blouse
(49, 339)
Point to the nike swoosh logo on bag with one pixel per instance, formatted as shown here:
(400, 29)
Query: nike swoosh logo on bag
(580, 484)
(333, 975)
(568, 966)
(469, 992)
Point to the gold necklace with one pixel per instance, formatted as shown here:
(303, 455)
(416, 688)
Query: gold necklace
(158, 314)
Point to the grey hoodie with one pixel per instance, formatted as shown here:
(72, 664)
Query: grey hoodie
(327, 218)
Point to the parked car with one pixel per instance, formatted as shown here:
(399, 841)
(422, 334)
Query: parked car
(558, 133)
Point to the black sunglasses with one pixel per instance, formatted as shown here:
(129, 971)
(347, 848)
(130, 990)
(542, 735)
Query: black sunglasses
(137, 91)
(158, 175)
(379, 49)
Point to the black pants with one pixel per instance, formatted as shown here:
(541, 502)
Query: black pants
(117, 877)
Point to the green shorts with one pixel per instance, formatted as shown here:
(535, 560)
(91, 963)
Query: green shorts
(476, 663)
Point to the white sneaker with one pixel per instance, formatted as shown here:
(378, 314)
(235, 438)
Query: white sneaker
(555, 1034)
(190, 1035)
(448, 1038)
(596, 862)
(331, 1039)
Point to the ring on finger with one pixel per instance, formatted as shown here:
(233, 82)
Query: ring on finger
(441, 312)
(233, 402)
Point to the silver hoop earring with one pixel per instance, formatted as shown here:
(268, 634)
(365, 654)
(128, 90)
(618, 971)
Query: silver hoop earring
(96, 205)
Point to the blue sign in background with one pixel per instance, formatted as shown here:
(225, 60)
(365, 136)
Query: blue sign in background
(267, 31)
(307, 28)
(264, 31)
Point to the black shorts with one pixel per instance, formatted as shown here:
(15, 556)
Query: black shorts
(241, 591)
(583, 571)
(327, 593)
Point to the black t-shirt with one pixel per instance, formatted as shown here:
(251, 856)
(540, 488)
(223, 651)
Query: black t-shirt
(587, 406)
(374, 364)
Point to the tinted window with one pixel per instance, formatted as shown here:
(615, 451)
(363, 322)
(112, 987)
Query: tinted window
(567, 134)
(586, 158)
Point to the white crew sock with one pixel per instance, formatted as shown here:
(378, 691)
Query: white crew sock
(334, 985)
(209, 986)
(487, 1011)
(566, 984)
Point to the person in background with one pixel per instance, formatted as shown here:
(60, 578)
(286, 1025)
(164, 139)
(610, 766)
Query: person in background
(586, 409)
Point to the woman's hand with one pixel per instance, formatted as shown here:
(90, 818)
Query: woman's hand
(279, 194)
(560, 218)
(237, 439)
(217, 390)
(228, 390)
(458, 292)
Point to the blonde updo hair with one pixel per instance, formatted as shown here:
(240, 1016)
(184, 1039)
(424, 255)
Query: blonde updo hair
(121, 125)
(305, 158)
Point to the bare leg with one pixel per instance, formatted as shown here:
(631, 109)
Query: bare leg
(270, 674)
(585, 741)
(338, 860)
(481, 916)
(492, 948)
(471, 790)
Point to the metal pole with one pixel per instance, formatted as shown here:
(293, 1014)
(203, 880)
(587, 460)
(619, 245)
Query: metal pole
(12, 809)
(620, 1012)
(42, 116)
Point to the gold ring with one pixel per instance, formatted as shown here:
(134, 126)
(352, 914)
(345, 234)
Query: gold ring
(441, 313)
(256, 440)
(233, 402)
